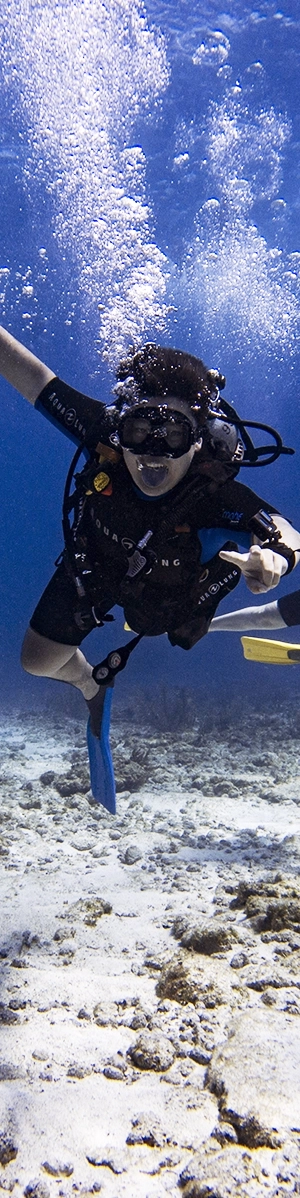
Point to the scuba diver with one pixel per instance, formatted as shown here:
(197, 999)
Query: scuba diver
(155, 522)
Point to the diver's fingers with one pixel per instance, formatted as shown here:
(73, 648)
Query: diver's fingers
(272, 568)
(239, 559)
(257, 586)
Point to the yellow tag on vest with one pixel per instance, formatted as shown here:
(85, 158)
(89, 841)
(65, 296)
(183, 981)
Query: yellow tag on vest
(101, 481)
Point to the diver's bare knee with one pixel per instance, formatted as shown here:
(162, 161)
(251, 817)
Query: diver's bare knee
(32, 656)
(40, 655)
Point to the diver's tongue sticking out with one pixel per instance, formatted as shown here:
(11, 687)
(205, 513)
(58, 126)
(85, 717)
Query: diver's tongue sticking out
(157, 475)
(152, 473)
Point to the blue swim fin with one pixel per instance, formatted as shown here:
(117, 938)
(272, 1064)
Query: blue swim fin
(101, 766)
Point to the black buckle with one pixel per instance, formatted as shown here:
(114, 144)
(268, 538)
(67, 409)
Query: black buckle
(115, 661)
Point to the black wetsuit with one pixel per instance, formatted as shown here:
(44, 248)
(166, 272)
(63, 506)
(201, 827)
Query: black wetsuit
(188, 526)
(289, 607)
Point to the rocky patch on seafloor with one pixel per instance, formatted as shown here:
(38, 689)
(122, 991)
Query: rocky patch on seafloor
(149, 964)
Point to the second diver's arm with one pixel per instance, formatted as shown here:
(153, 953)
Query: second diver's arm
(21, 368)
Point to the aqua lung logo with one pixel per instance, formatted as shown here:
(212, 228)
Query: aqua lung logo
(125, 542)
(68, 415)
(215, 587)
(106, 531)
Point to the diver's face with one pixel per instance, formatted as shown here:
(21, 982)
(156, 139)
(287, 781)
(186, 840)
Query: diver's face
(156, 475)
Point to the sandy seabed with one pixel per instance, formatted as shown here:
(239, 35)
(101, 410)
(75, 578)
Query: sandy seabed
(149, 963)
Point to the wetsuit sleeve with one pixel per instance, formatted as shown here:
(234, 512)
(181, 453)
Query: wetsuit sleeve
(289, 607)
(84, 420)
(231, 506)
(238, 504)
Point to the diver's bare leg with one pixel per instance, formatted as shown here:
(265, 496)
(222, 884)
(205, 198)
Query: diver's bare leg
(64, 663)
(247, 619)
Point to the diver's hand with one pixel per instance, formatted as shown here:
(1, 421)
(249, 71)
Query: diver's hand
(262, 568)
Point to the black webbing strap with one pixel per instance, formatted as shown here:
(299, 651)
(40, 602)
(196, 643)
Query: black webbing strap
(115, 661)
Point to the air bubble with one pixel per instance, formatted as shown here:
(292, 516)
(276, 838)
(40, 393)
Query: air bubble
(213, 51)
(232, 281)
(210, 205)
(255, 68)
(278, 206)
(181, 160)
(83, 78)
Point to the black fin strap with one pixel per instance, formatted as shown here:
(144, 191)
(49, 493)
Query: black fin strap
(115, 661)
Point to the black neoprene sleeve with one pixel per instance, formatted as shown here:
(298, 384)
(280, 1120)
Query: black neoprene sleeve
(289, 607)
(74, 413)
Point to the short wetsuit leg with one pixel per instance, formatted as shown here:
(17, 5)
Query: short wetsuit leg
(289, 607)
(57, 615)
(50, 647)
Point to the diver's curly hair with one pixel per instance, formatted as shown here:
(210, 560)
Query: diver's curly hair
(157, 370)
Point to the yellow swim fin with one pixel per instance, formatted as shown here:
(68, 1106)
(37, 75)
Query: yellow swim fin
(272, 653)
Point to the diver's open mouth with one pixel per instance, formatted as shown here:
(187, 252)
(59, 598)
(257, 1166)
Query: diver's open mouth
(153, 473)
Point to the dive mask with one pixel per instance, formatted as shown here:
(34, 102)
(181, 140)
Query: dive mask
(159, 431)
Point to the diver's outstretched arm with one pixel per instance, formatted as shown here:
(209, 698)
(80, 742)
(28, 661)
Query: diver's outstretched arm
(21, 368)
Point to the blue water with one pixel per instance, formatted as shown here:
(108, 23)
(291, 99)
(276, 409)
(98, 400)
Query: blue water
(149, 163)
